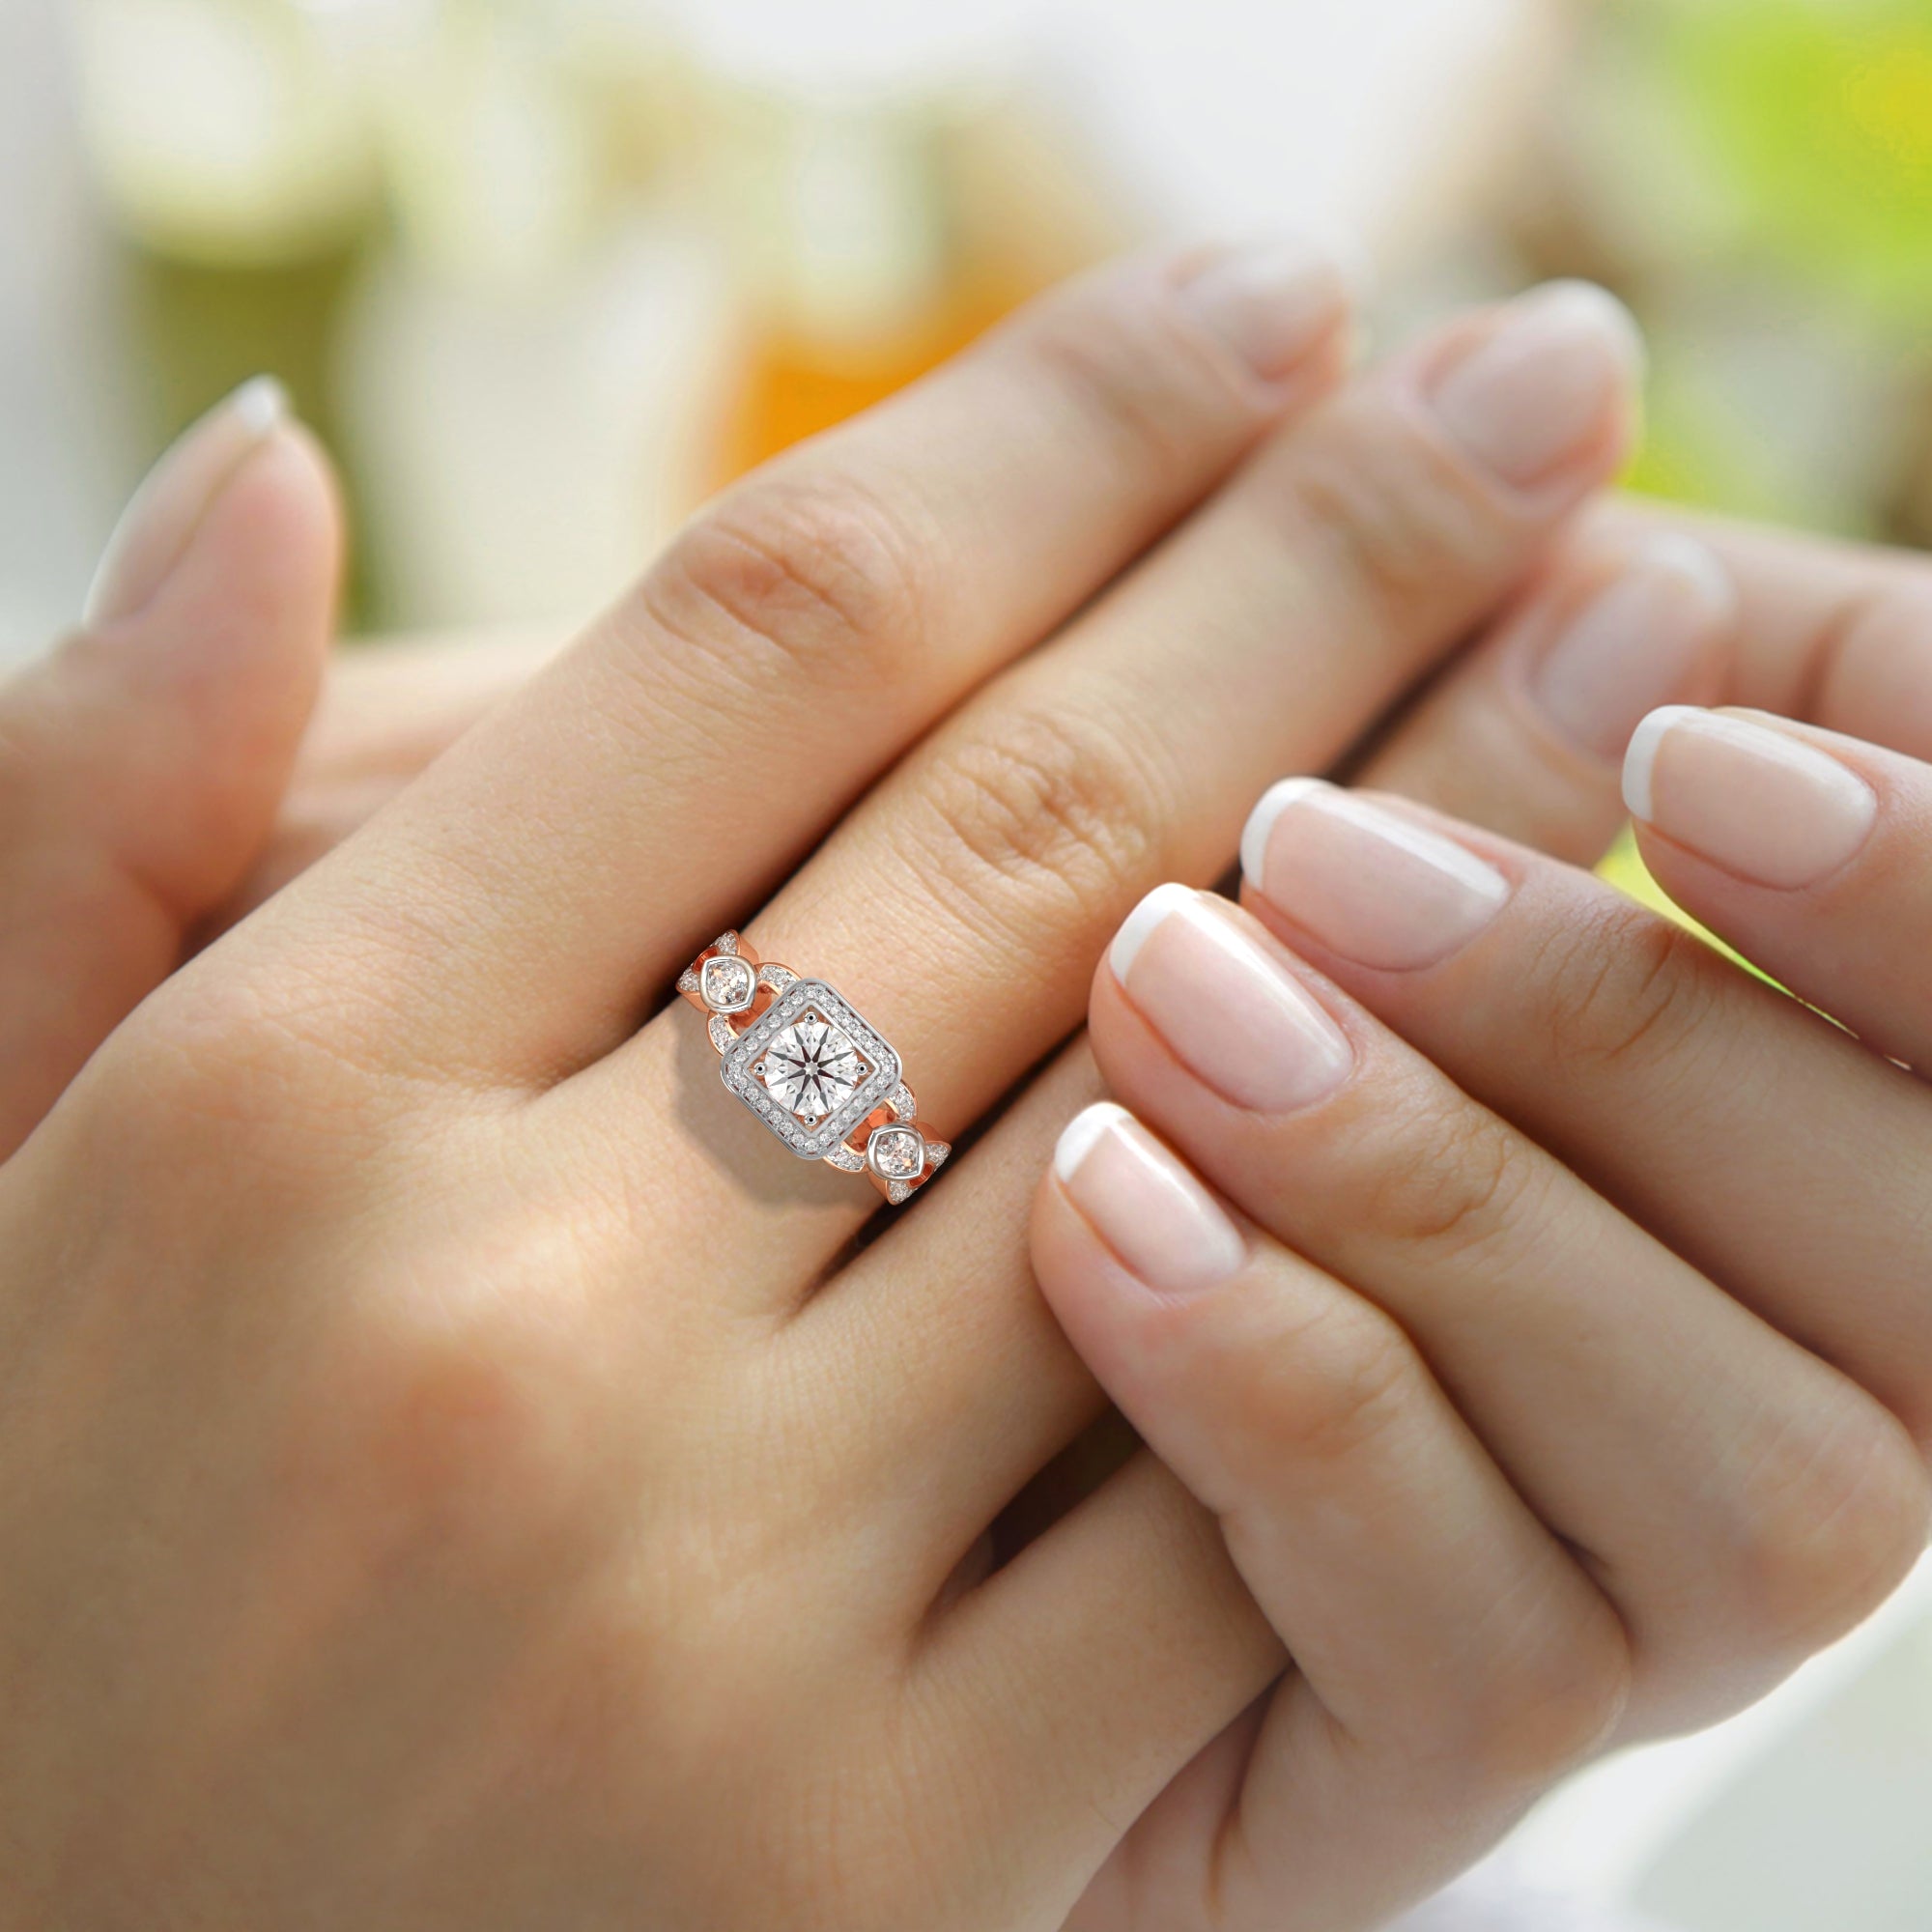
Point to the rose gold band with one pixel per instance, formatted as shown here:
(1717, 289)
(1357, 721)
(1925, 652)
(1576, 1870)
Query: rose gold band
(819, 1076)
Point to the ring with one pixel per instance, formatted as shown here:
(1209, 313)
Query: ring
(821, 1078)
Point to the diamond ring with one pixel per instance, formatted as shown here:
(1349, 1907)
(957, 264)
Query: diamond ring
(820, 1078)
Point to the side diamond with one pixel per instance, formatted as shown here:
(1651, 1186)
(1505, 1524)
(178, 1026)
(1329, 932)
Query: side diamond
(895, 1152)
(727, 983)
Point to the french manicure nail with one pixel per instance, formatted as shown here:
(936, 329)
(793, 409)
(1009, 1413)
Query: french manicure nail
(1270, 304)
(1759, 802)
(1226, 1008)
(159, 522)
(1639, 643)
(1162, 1225)
(1536, 390)
(1370, 885)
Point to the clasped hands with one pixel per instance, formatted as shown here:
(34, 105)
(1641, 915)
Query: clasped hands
(456, 1470)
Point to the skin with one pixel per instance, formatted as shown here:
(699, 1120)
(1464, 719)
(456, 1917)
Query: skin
(498, 1506)
(1541, 1276)
(495, 1614)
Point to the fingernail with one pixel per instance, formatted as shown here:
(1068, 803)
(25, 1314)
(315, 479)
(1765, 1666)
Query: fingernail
(1227, 1009)
(1638, 643)
(1759, 802)
(159, 522)
(1368, 884)
(1270, 304)
(1162, 1225)
(1537, 390)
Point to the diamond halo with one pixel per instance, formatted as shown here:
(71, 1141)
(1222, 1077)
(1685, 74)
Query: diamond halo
(801, 1060)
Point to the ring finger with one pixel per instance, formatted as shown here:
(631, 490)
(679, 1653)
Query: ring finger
(961, 904)
(547, 876)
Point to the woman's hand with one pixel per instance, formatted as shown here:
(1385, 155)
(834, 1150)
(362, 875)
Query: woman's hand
(1539, 1301)
(454, 1469)
(143, 762)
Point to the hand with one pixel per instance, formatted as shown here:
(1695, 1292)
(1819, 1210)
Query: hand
(142, 763)
(399, 1352)
(388, 709)
(1537, 1299)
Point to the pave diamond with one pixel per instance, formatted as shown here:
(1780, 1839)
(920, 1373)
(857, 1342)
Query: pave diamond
(808, 1066)
(811, 1067)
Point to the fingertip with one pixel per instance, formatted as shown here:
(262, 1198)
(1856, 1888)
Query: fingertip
(1538, 395)
(161, 521)
(182, 710)
(1155, 1219)
(1640, 758)
(1268, 807)
(1140, 923)
(1078, 1136)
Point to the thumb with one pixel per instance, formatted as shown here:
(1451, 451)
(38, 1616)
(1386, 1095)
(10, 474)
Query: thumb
(142, 761)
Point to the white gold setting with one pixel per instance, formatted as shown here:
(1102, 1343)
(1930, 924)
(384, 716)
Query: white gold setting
(820, 1077)
(811, 1069)
(895, 1152)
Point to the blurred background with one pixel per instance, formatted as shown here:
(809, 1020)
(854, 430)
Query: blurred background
(546, 273)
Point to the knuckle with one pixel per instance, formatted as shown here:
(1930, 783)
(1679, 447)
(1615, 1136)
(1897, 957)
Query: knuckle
(1452, 1184)
(1330, 1389)
(1565, 1682)
(1050, 804)
(814, 568)
(1387, 515)
(1833, 1516)
(1623, 990)
(1865, 678)
(1139, 386)
(465, 1436)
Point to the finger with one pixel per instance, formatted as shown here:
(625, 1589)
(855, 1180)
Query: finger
(983, 1391)
(1837, 633)
(561, 864)
(1526, 735)
(1757, 1141)
(999, 857)
(387, 712)
(1811, 853)
(1450, 1658)
(1091, 1668)
(1722, 1483)
(143, 760)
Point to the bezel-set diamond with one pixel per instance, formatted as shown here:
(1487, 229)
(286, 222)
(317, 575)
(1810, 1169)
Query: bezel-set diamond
(895, 1152)
(727, 983)
(809, 1002)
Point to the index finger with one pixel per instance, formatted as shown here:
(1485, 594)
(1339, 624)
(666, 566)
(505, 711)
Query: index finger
(564, 859)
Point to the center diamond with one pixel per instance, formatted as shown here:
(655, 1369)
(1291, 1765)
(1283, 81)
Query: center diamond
(812, 1066)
